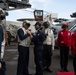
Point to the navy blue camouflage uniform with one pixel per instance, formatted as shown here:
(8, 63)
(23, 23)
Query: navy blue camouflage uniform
(38, 50)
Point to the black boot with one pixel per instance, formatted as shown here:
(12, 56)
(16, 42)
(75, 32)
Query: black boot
(47, 69)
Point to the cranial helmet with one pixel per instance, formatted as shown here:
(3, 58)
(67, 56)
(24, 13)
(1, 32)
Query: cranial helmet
(38, 25)
(64, 25)
(26, 22)
(2, 16)
(46, 23)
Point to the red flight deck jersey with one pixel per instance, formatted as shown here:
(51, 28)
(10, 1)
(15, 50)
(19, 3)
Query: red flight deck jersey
(64, 38)
(73, 45)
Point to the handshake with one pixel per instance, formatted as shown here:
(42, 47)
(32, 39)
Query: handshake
(29, 33)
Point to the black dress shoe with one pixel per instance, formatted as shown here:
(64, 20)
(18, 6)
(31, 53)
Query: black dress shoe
(48, 70)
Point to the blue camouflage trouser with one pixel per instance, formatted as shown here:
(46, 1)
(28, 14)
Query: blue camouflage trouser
(38, 60)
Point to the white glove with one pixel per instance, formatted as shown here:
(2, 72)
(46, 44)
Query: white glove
(52, 47)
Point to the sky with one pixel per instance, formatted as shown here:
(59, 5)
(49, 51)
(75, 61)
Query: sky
(64, 8)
